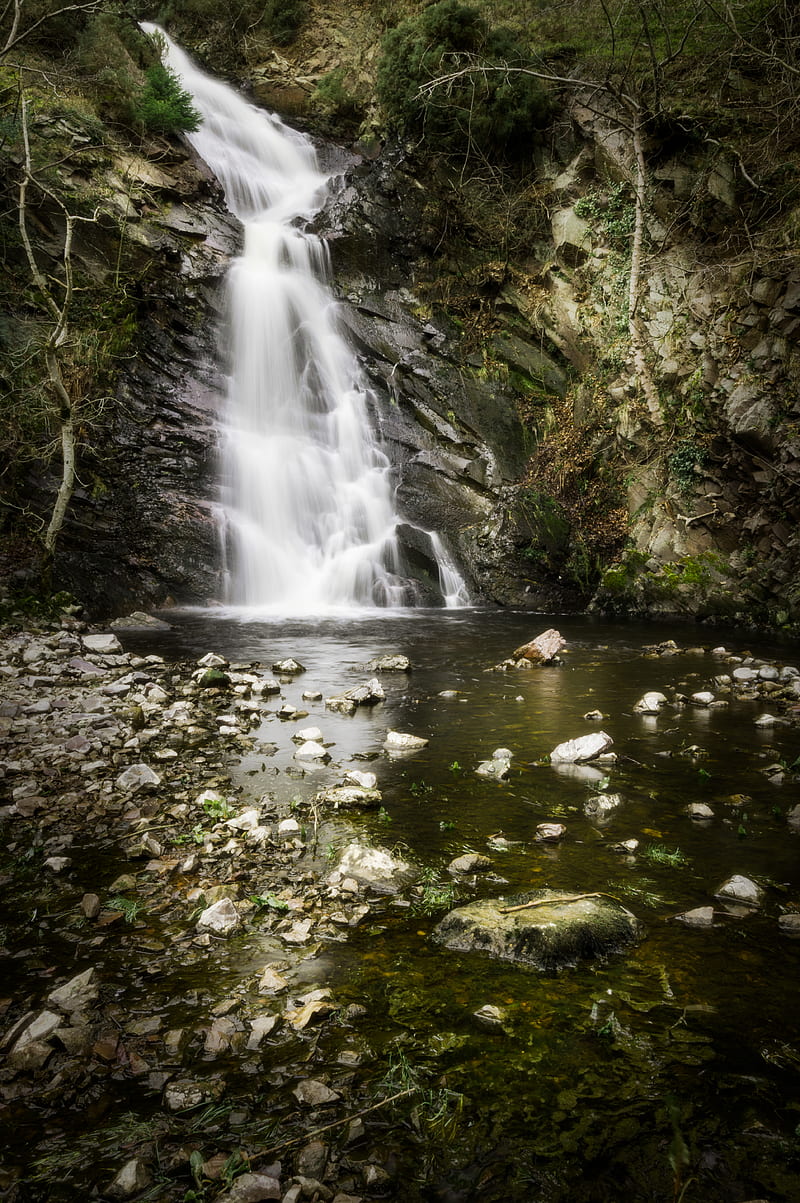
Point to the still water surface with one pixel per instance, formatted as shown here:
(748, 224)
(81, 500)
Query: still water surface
(672, 1069)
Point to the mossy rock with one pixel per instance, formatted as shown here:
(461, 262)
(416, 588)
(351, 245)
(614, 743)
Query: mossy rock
(559, 932)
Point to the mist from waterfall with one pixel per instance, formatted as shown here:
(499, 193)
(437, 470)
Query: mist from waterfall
(306, 491)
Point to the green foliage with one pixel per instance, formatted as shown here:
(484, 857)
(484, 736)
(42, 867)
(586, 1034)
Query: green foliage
(545, 518)
(433, 894)
(683, 462)
(334, 99)
(499, 113)
(610, 212)
(130, 907)
(218, 808)
(163, 106)
(283, 19)
(112, 55)
(269, 902)
(660, 855)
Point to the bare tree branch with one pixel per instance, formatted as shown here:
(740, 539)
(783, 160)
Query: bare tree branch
(15, 36)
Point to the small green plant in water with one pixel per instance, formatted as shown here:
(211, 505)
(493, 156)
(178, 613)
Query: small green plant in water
(660, 855)
(218, 808)
(434, 894)
(130, 907)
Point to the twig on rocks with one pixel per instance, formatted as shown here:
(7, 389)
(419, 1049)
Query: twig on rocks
(296, 1140)
(526, 906)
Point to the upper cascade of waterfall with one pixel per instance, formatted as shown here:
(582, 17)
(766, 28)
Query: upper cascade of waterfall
(308, 501)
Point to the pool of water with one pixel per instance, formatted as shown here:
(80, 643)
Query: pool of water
(670, 1072)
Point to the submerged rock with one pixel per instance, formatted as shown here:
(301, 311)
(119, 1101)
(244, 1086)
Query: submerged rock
(560, 930)
(393, 664)
(701, 916)
(498, 767)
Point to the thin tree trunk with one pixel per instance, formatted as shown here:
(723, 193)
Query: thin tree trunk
(65, 406)
(635, 331)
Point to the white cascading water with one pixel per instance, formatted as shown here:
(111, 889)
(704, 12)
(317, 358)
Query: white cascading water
(308, 500)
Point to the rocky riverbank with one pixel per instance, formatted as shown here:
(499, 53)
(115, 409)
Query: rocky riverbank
(130, 846)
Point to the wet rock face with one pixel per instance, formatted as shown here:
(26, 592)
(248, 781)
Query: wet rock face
(141, 525)
(557, 931)
(454, 438)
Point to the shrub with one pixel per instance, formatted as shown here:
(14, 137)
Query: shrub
(498, 112)
(283, 19)
(163, 106)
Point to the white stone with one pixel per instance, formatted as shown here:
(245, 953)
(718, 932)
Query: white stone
(399, 741)
(103, 644)
(741, 889)
(259, 1029)
(131, 1179)
(702, 698)
(311, 751)
(221, 918)
(368, 864)
(699, 810)
(308, 735)
(650, 703)
(365, 780)
(210, 660)
(701, 916)
(313, 1093)
(40, 1028)
(248, 820)
(76, 994)
(138, 776)
(288, 827)
(576, 751)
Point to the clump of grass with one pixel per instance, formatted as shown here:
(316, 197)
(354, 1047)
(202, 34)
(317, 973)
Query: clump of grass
(661, 855)
(434, 894)
(130, 907)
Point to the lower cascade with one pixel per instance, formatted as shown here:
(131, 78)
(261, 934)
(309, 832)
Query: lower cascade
(309, 515)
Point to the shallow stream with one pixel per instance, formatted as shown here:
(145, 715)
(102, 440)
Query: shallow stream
(671, 1072)
(677, 1059)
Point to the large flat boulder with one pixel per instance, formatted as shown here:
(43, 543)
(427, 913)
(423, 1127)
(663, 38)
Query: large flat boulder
(557, 931)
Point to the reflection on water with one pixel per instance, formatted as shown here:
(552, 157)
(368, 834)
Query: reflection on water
(599, 1074)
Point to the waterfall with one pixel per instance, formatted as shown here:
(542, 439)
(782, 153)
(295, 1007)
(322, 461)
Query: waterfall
(306, 491)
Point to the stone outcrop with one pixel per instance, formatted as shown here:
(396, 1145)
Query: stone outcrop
(556, 931)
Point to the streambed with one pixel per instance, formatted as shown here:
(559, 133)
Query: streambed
(673, 1067)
